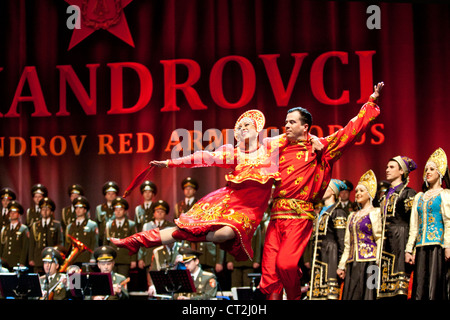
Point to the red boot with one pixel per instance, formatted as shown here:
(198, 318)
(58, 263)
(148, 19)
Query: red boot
(148, 239)
(183, 235)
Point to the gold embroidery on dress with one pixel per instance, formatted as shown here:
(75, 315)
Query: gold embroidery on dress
(290, 169)
(361, 113)
(207, 212)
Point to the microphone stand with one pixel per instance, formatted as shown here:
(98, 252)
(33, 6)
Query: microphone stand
(20, 291)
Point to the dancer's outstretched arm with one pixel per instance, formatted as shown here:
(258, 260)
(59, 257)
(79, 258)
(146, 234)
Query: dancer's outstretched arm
(222, 157)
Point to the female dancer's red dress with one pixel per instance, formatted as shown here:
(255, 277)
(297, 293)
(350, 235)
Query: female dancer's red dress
(241, 204)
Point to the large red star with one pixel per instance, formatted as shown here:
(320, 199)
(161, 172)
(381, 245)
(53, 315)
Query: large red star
(101, 14)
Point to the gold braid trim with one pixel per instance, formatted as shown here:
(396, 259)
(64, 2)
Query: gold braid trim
(292, 209)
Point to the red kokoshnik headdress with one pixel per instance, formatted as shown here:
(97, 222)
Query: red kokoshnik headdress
(256, 116)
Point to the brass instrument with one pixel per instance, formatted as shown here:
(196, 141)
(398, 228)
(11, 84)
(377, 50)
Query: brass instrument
(77, 248)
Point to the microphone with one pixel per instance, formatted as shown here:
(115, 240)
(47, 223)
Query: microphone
(20, 268)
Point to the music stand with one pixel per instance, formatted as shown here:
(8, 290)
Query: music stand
(249, 293)
(20, 285)
(172, 281)
(92, 284)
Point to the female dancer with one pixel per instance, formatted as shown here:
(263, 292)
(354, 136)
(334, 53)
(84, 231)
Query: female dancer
(429, 231)
(229, 215)
(362, 242)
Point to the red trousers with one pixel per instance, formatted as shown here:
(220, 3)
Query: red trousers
(284, 245)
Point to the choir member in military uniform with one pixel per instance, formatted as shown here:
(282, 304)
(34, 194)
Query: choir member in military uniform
(362, 243)
(68, 213)
(212, 256)
(6, 195)
(46, 232)
(53, 283)
(241, 269)
(428, 247)
(161, 210)
(105, 212)
(38, 191)
(396, 205)
(329, 235)
(143, 213)
(383, 186)
(205, 282)
(189, 187)
(105, 256)
(344, 198)
(83, 229)
(165, 257)
(14, 238)
(121, 227)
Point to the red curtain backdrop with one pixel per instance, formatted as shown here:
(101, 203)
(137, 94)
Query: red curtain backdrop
(102, 109)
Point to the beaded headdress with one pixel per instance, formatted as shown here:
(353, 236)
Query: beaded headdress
(257, 118)
(439, 158)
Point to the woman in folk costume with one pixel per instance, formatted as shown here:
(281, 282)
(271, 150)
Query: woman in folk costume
(362, 243)
(229, 215)
(329, 235)
(428, 244)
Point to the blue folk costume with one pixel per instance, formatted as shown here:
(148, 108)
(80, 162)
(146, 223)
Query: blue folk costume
(362, 243)
(429, 235)
(329, 235)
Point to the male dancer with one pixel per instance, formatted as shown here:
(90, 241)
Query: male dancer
(304, 179)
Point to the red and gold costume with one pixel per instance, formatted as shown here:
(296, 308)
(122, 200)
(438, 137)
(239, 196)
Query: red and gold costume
(304, 179)
(241, 203)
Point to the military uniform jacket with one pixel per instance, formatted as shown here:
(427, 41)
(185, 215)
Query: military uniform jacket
(113, 231)
(349, 207)
(103, 214)
(87, 233)
(67, 217)
(182, 207)
(41, 237)
(56, 288)
(257, 252)
(205, 285)
(33, 215)
(211, 254)
(142, 215)
(119, 279)
(14, 245)
(146, 254)
(4, 219)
